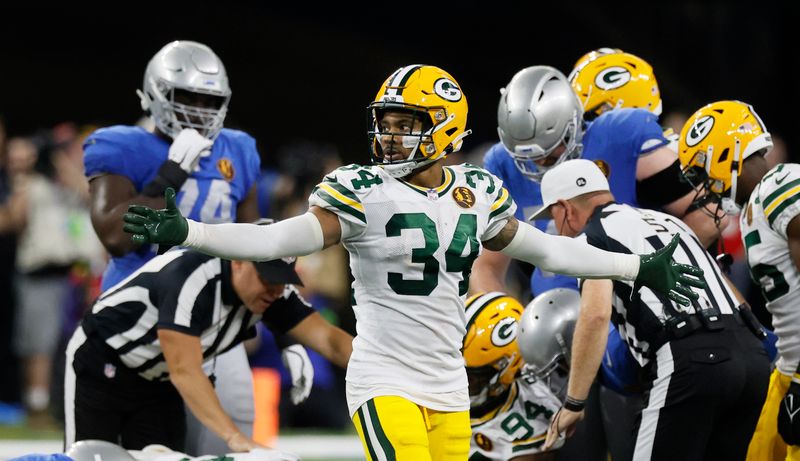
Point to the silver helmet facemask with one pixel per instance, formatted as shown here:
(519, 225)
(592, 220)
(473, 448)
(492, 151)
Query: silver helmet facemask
(546, 329)
(538, 112)
(191, 67)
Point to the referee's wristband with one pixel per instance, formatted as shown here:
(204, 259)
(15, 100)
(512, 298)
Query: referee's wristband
(170, 174)
(572, 404)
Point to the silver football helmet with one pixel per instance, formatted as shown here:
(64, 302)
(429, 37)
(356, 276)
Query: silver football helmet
(98, 450)
(538, 112)
(191, 67)
(546, 329)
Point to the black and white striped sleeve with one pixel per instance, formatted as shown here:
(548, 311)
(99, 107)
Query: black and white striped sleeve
(186, 293)
(287, 311)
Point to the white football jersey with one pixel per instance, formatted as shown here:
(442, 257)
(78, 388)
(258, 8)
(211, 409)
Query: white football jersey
(411, 253)
(518, 427)
(773, 203)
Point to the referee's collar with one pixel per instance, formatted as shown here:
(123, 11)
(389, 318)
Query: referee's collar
(599, 209)
(229, 296)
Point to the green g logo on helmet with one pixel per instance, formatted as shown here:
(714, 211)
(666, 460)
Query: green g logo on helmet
(612, 77)
(699, 130)
(505, 332)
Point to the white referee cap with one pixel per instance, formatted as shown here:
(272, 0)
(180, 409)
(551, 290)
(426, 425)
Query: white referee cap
(567, 181)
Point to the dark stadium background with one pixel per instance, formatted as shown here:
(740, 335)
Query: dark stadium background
(307, 71)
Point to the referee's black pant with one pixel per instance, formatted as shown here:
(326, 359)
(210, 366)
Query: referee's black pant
(104, 400)
(706, 396)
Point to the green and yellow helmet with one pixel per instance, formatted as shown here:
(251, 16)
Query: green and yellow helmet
(431, 94)
(606, 81)
(491, 353)
(714, 143)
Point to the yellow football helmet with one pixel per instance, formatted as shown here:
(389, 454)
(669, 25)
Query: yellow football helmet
(714, 143)
(490, 348)
(613, 80)
(431, 94)
(595, 53)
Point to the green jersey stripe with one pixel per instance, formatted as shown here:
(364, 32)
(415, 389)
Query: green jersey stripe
(777, 193)
(502, 207)
(341, 206)
(779, 209)
(343, 190)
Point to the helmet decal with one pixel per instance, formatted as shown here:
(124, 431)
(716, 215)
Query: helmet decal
(505, 331)
(612, 78)
(447, 90)
(699, 130)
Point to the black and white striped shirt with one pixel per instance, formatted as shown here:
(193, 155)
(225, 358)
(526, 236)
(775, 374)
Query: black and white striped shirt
(625, 229)
(188, 292)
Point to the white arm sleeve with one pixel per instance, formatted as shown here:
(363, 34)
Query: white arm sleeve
(298, 236)
(567, 256)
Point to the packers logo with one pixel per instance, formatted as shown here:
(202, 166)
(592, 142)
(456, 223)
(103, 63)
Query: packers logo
(483, 442)
(505, 332)
(463, 197)
(603, 167)
(225, 168)
(612, 78)
(699, 130)
(447, 90)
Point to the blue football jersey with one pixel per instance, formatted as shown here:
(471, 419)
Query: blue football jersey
(210, 194)
(614, 140)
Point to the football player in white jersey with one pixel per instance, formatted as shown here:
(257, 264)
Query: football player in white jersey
(723, 146)
(412, 227)
(509, 413)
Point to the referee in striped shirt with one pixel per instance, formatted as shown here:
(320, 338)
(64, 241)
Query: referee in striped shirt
(706, 369)
(138, 355)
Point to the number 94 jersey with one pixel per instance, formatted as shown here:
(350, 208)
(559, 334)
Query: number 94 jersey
(773, 203)
(411, 253)
(518, 427)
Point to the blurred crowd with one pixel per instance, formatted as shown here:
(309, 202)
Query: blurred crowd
(52, 263)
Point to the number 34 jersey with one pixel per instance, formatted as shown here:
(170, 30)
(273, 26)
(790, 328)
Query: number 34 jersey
(411, 253)
(773, 203)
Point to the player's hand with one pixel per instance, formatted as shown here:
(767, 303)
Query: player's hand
(659, 272)
(295, 359)
(238, 442)
(164, 227)
(563, 424)
(188, 148)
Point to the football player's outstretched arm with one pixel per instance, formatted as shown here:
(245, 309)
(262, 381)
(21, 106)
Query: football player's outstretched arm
(567, 256)
(489, 272)
(297, 236)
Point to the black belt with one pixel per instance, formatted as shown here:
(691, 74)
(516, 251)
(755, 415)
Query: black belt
(680, 327)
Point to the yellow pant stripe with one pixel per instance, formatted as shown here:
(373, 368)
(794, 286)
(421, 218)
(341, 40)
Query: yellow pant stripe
(365, 434)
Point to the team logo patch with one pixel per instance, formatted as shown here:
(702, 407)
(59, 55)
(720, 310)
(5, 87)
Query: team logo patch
(580, 182)
(463, 197)
(699, 130)
(505, 332)
(483, 442)
(225, 168)
(604, 167)
(447, 90)
(612, 77)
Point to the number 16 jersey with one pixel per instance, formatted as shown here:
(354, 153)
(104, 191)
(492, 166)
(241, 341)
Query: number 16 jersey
(411, 253)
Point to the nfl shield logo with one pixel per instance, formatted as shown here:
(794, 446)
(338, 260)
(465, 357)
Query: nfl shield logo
(110, 371)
